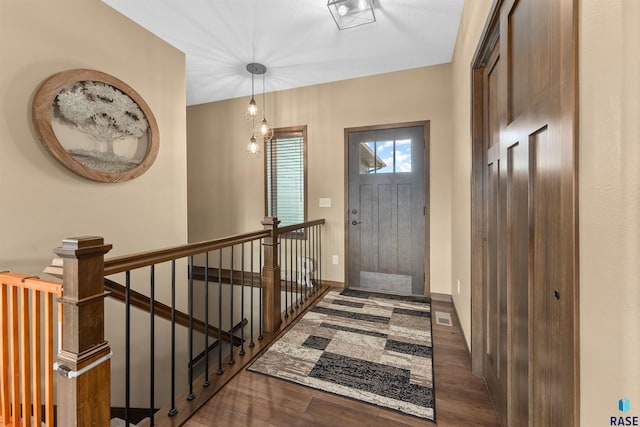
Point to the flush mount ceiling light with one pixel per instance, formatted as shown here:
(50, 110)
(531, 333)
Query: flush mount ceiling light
(351, 13)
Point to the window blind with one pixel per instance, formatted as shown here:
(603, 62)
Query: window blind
(285, 167)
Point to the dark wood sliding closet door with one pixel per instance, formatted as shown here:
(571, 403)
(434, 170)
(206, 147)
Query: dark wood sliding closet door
(495, 346)
(524, 213)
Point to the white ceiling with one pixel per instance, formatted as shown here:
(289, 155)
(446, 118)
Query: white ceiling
(297, 40)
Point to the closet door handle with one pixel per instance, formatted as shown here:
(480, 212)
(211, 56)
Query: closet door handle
(354, 222)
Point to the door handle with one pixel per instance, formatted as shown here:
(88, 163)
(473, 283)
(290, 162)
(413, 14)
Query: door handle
(354, 222)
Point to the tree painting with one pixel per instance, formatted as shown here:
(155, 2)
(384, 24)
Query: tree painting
(108, 116)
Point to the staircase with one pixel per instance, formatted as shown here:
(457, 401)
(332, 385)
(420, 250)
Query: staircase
(226, 294)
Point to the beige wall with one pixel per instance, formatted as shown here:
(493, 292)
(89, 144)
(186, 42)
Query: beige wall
(609, 208)
(474, 15)
(42, 202)
(226, 188)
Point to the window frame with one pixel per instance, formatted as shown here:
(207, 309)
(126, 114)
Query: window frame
(284, 132)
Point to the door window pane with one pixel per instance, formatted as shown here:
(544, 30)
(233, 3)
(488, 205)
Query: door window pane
(385, 157)
(369, 162)
(384, 150)
(403, 155)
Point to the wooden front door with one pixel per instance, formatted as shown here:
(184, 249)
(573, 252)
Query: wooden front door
(525, 288)
(386, 208)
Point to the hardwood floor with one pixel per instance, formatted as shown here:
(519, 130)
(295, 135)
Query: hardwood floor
(251, 399)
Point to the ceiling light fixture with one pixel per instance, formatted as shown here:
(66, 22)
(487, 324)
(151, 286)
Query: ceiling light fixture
(265, 129)
(351, 13)
(253, 149)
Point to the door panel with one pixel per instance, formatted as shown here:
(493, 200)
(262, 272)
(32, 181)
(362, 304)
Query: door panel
(518, 279)
(495, 363)
(387, 253)
(386, 209)
(548, 318)
(367, 238)
(525, 155)
(405, 264)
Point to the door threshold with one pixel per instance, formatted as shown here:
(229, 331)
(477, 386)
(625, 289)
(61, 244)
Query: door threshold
(382, 291)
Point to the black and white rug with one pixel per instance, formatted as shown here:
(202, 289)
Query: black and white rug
(371, 347)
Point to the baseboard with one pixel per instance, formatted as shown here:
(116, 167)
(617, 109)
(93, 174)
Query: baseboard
(333, 284)
(464, 339)
(435, 296)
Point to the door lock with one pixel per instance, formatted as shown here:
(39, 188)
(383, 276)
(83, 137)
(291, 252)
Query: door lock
(354, 222)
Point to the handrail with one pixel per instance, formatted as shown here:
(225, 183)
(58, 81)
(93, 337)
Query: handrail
(21, 299)
(294, 227)
(144, 259)
(30, 282)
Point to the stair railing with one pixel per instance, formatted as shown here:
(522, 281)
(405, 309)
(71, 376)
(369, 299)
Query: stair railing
(233, 282)
(26, 350)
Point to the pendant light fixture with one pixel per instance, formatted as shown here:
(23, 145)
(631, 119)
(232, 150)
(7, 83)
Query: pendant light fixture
(253, 68)
(265, 129)
(253, 149)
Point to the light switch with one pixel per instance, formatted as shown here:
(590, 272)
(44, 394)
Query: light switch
(324, 202)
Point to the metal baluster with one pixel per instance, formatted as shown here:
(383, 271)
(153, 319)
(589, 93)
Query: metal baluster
(303, 254)
(306, 266)
(242, 352)
(312, 242)
(206, 382)
(303, 243)
(220, 370)
(251, 343)
(173, 411)
(191, 395)
(260, 293)
(127, 346)
(300, 264)
(303, 265)
(152, 329)
(320, 257)
(297, 268)
(279, 240)
(291, 257)
(310, 236)
(286, 278)
(317, 258)
(231, 360)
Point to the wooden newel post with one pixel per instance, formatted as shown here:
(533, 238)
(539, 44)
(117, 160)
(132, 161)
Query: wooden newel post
(83, 391)
(271, 309)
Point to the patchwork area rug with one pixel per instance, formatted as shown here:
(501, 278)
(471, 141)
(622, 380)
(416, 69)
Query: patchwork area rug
(371, 347)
